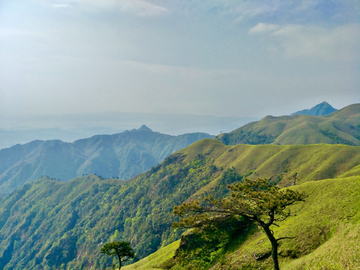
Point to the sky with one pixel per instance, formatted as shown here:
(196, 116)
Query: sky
(216, 57)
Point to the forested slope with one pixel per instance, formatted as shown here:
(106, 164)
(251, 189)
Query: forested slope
(66, 223)
(121, 155)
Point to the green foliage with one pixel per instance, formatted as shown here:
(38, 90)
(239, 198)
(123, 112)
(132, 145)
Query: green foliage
(229, 176)
(61, 222)
(255, 200)
(201, 247)
(122, 250)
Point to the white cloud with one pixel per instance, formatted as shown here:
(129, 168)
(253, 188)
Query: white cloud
(138, 7)
(297, 41)
(248, 9)
(289, 10)
(263, 27)
(143, 8)
(260, 8)
(62, 6)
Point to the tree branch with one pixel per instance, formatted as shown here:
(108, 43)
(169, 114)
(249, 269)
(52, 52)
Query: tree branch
(282, 238)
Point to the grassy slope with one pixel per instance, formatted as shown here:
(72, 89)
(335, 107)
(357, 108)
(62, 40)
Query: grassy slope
(327, 227)
(340, 127)
(154, 260)
(311, 162)
(340, 208)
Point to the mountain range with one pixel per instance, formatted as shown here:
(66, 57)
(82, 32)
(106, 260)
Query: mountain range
(340, 127)
(121, 155)
(129, 153)
(71, 127)
(51, 224)
(12, 137)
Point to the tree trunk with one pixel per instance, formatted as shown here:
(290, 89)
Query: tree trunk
(274, 246)
(119, 260)
(274, 254)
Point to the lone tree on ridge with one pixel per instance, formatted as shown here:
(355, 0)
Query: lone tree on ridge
(122, 250)
(255, 200)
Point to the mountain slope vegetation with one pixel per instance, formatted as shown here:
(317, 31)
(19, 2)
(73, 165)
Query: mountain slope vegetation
(121, 155)
(63, 225)
(326, 230)
(340, 127)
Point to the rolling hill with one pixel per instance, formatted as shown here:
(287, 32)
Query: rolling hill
(340, 127)
(62, 225)
(121, 155)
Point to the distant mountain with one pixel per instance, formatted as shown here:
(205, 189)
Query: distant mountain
(63, 225)
(121, 155)
(340, 127)
(12, 137)
(323, 108)
(71, 127)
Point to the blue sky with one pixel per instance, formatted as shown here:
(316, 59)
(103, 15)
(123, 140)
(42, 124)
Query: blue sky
(216, 57)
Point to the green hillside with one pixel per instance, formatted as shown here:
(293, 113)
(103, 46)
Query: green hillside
(64, 224)
(280, 162)
(326, 227)
(121, 155)
(340, 127)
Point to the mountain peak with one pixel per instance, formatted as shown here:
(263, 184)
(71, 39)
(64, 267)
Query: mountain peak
(323, 108)
(144, 128)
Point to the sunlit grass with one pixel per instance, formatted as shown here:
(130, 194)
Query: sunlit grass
(326, 228)
(156, 259)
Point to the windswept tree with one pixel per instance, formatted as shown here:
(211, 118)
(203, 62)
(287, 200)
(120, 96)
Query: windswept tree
(122, 250)
(253, 200)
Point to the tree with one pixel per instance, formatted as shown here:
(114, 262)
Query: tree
(253, 200)
(122, 250)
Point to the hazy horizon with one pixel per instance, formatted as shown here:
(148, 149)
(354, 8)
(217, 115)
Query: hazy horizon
(70, 127)
(216, 58)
